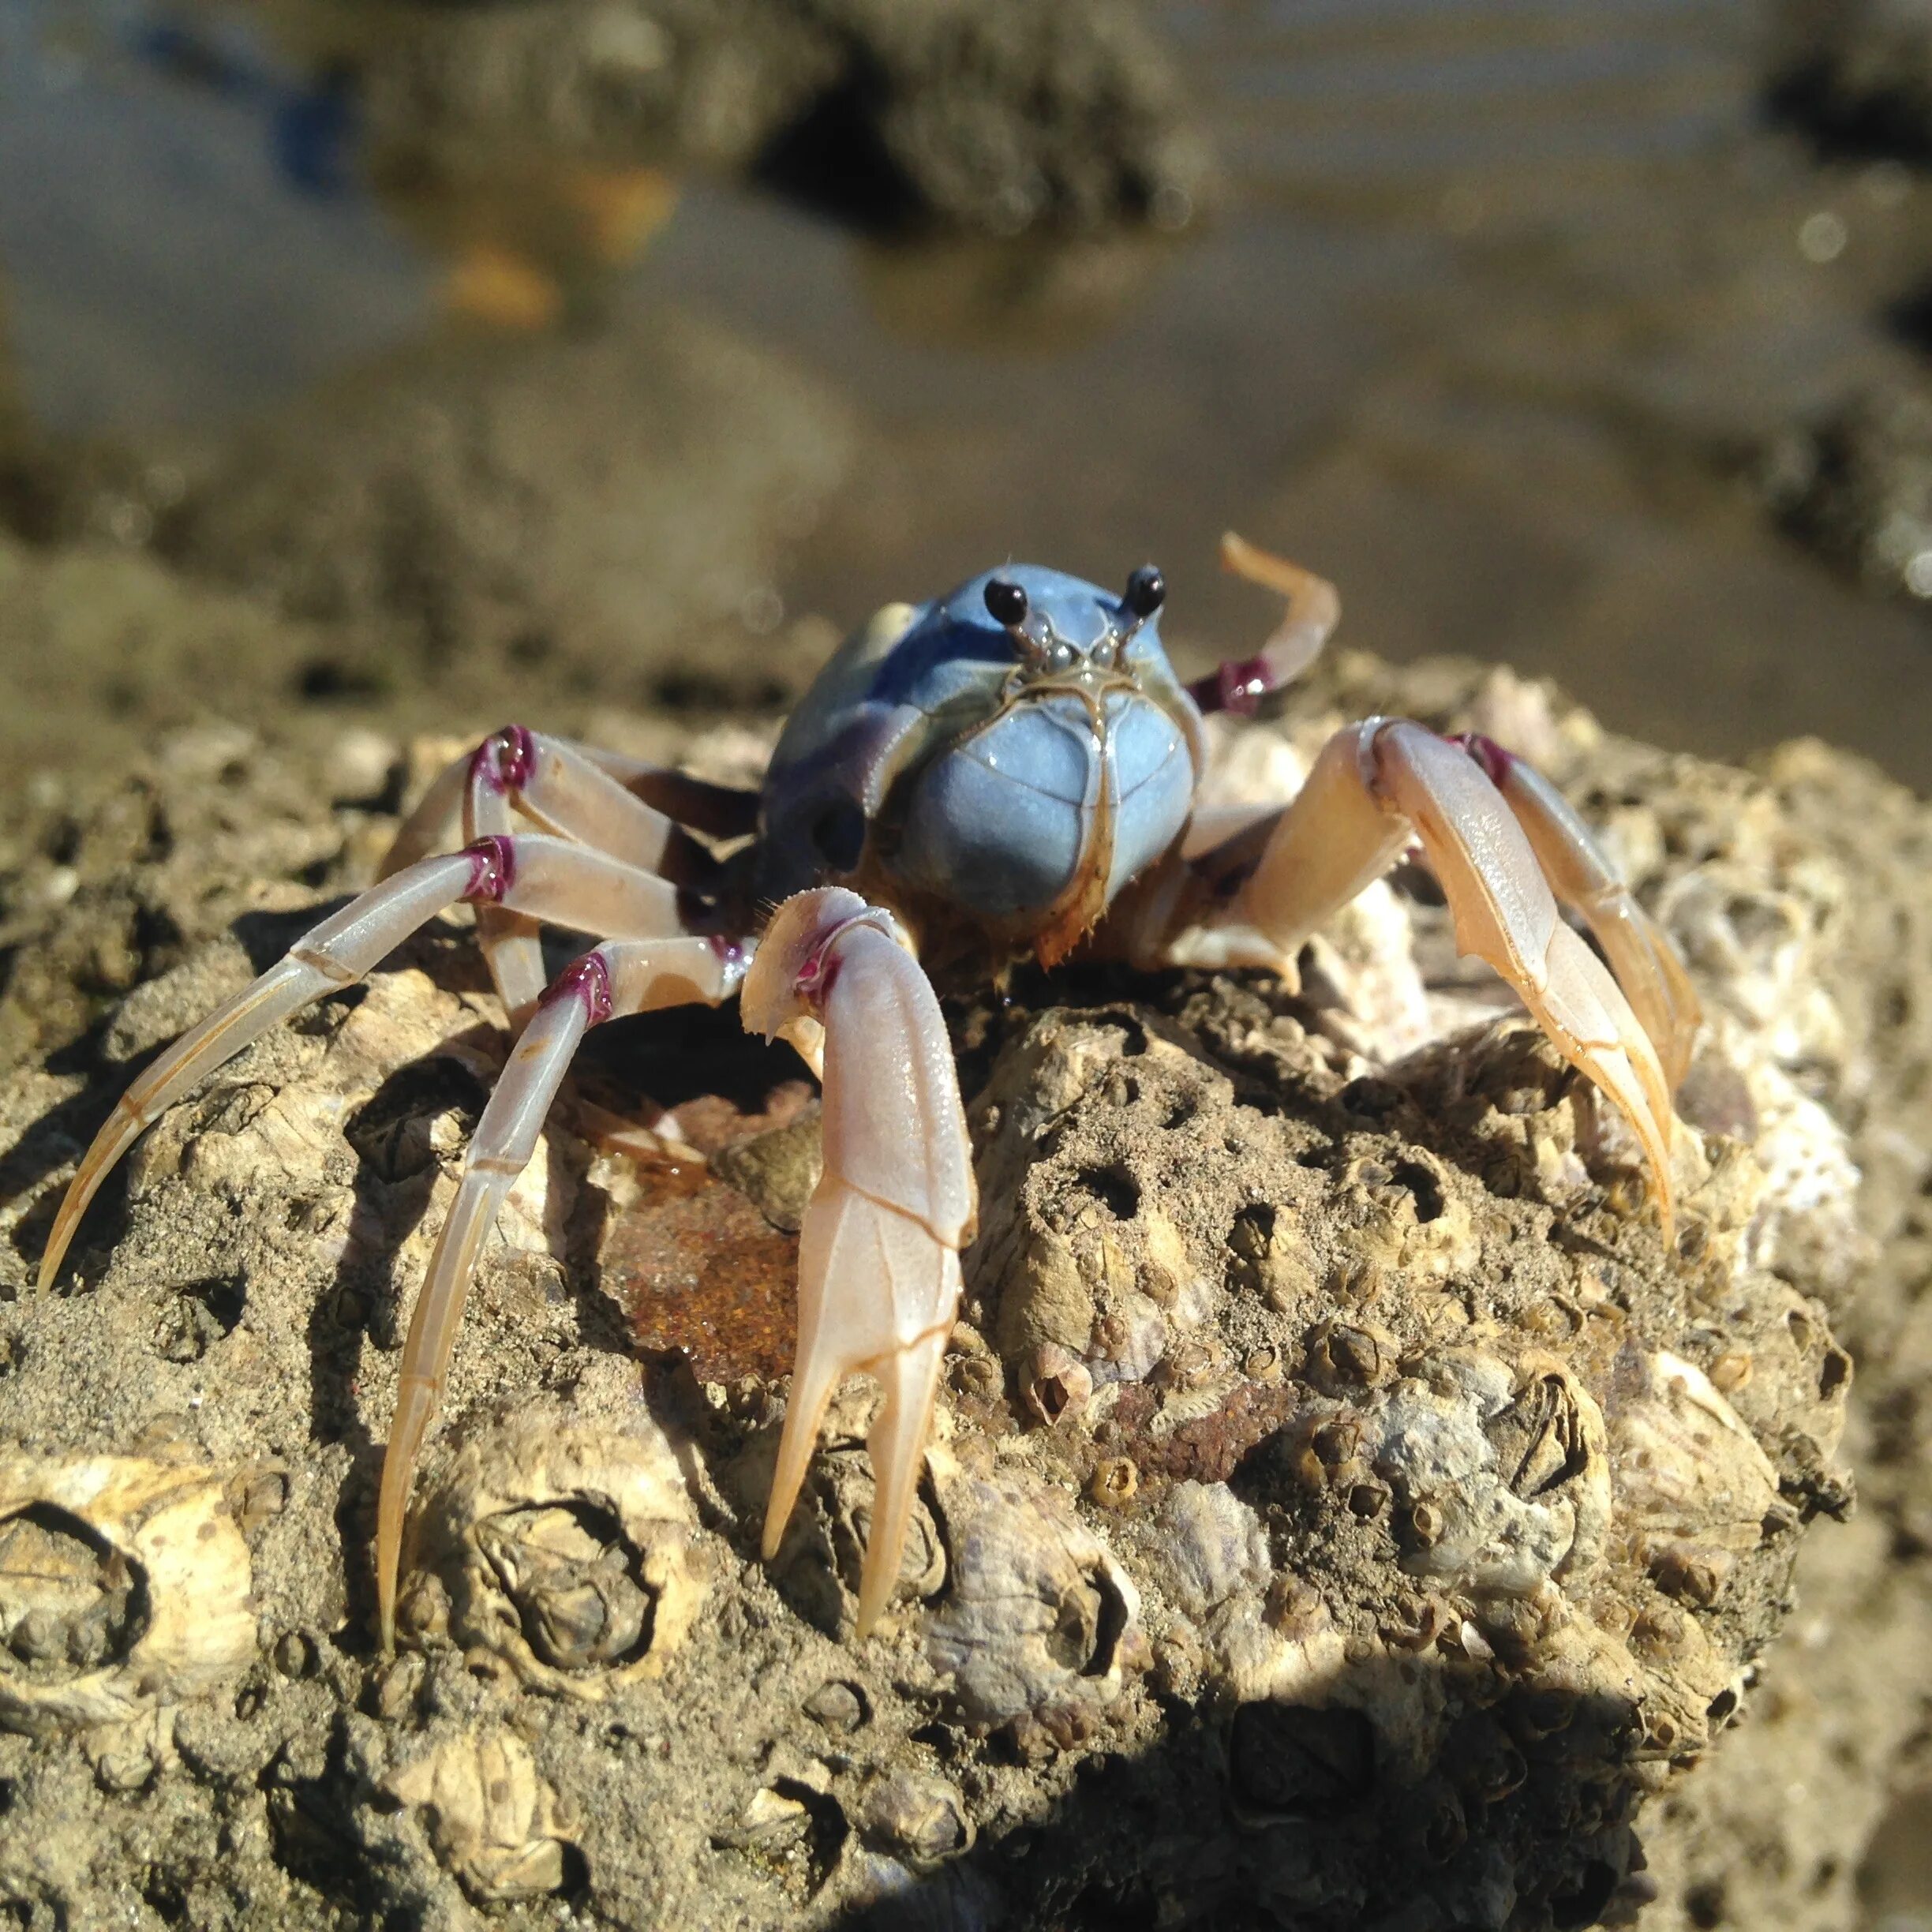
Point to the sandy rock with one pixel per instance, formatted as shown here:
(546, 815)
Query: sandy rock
(1342, 1509)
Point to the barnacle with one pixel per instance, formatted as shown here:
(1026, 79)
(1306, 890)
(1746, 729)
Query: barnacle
(1036, 1610)
(494, 1820)
(124, 1588)
(1686, 1467)
(566, 1550)
(918, 1819)
(1504, 1472)
(1213, 1545)
(1059, 1384)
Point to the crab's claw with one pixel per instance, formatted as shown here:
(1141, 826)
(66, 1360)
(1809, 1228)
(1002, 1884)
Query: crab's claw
(1643, 959)
(878, 1253)
(1378, 785)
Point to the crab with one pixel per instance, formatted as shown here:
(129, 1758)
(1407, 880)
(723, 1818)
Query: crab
(1009, 769)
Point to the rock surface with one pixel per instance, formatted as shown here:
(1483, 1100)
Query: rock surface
(998, 117)
(1343, 1509)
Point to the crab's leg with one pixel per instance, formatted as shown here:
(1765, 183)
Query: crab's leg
(718, 810)
(1640, 953)
(669, 799)
(613, 980)
(1378, 785)
(1314, 609)
(878, 1255)
(544, 878)
(516, 774)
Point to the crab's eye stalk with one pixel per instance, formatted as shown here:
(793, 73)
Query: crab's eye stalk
(1147, 590)
(1006, 602)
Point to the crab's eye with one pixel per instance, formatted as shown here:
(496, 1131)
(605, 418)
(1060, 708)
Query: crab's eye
(1147, 590)
(1006, 601)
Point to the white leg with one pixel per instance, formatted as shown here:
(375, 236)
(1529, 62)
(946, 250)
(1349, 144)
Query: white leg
(541, 876)
(878, 1253)
(1379, 785)
(614, 980)
(516, 775)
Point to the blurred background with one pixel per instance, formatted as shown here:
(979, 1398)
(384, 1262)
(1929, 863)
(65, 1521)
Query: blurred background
(598, 362)
(593, 355)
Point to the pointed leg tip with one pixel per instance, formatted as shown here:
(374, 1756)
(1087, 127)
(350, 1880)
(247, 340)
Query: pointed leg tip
(54, 1255)
(874, 1595)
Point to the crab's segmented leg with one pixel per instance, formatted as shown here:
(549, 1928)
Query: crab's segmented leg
(1643, 959)
(555, 786)
(611, 981)
(543, 878)
(878, 1253)
(554, 782)
(1314, 609)
(719, 811)
(1378, 785)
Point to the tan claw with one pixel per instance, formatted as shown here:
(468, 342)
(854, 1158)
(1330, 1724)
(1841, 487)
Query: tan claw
(878, 1253)
(1643, 959)
(1374, 785)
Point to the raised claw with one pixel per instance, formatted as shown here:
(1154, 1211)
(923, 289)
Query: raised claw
(1314, 609)
(1373, 786)
(878, 1253)
(1645, 962)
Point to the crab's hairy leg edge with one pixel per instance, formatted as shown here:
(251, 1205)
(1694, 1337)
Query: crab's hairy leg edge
(1639, 951)
(329, 956)
(544, 878)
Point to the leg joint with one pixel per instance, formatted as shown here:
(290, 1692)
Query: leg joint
(587, 979)
(492, 869)
(505, 760)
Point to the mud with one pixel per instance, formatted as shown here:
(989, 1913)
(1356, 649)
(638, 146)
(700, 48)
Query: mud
(1342, 1510)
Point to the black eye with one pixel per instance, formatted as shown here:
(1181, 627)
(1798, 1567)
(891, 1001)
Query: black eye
(1146, 590)
(839, 833)
(1006, 601)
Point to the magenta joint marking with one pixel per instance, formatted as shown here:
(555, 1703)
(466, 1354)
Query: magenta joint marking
(493, 868)
(588, 980)
(816, 977)
(1487, 753)
(1238, 687)
(505, 760)
(731, 954)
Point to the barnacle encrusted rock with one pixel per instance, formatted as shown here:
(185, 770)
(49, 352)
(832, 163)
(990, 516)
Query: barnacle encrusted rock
(566, 1551)
(124, 1589)
(494, 1821)
(1342, 1512)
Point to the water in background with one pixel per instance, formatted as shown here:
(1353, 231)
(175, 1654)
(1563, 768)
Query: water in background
(1499, 313)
